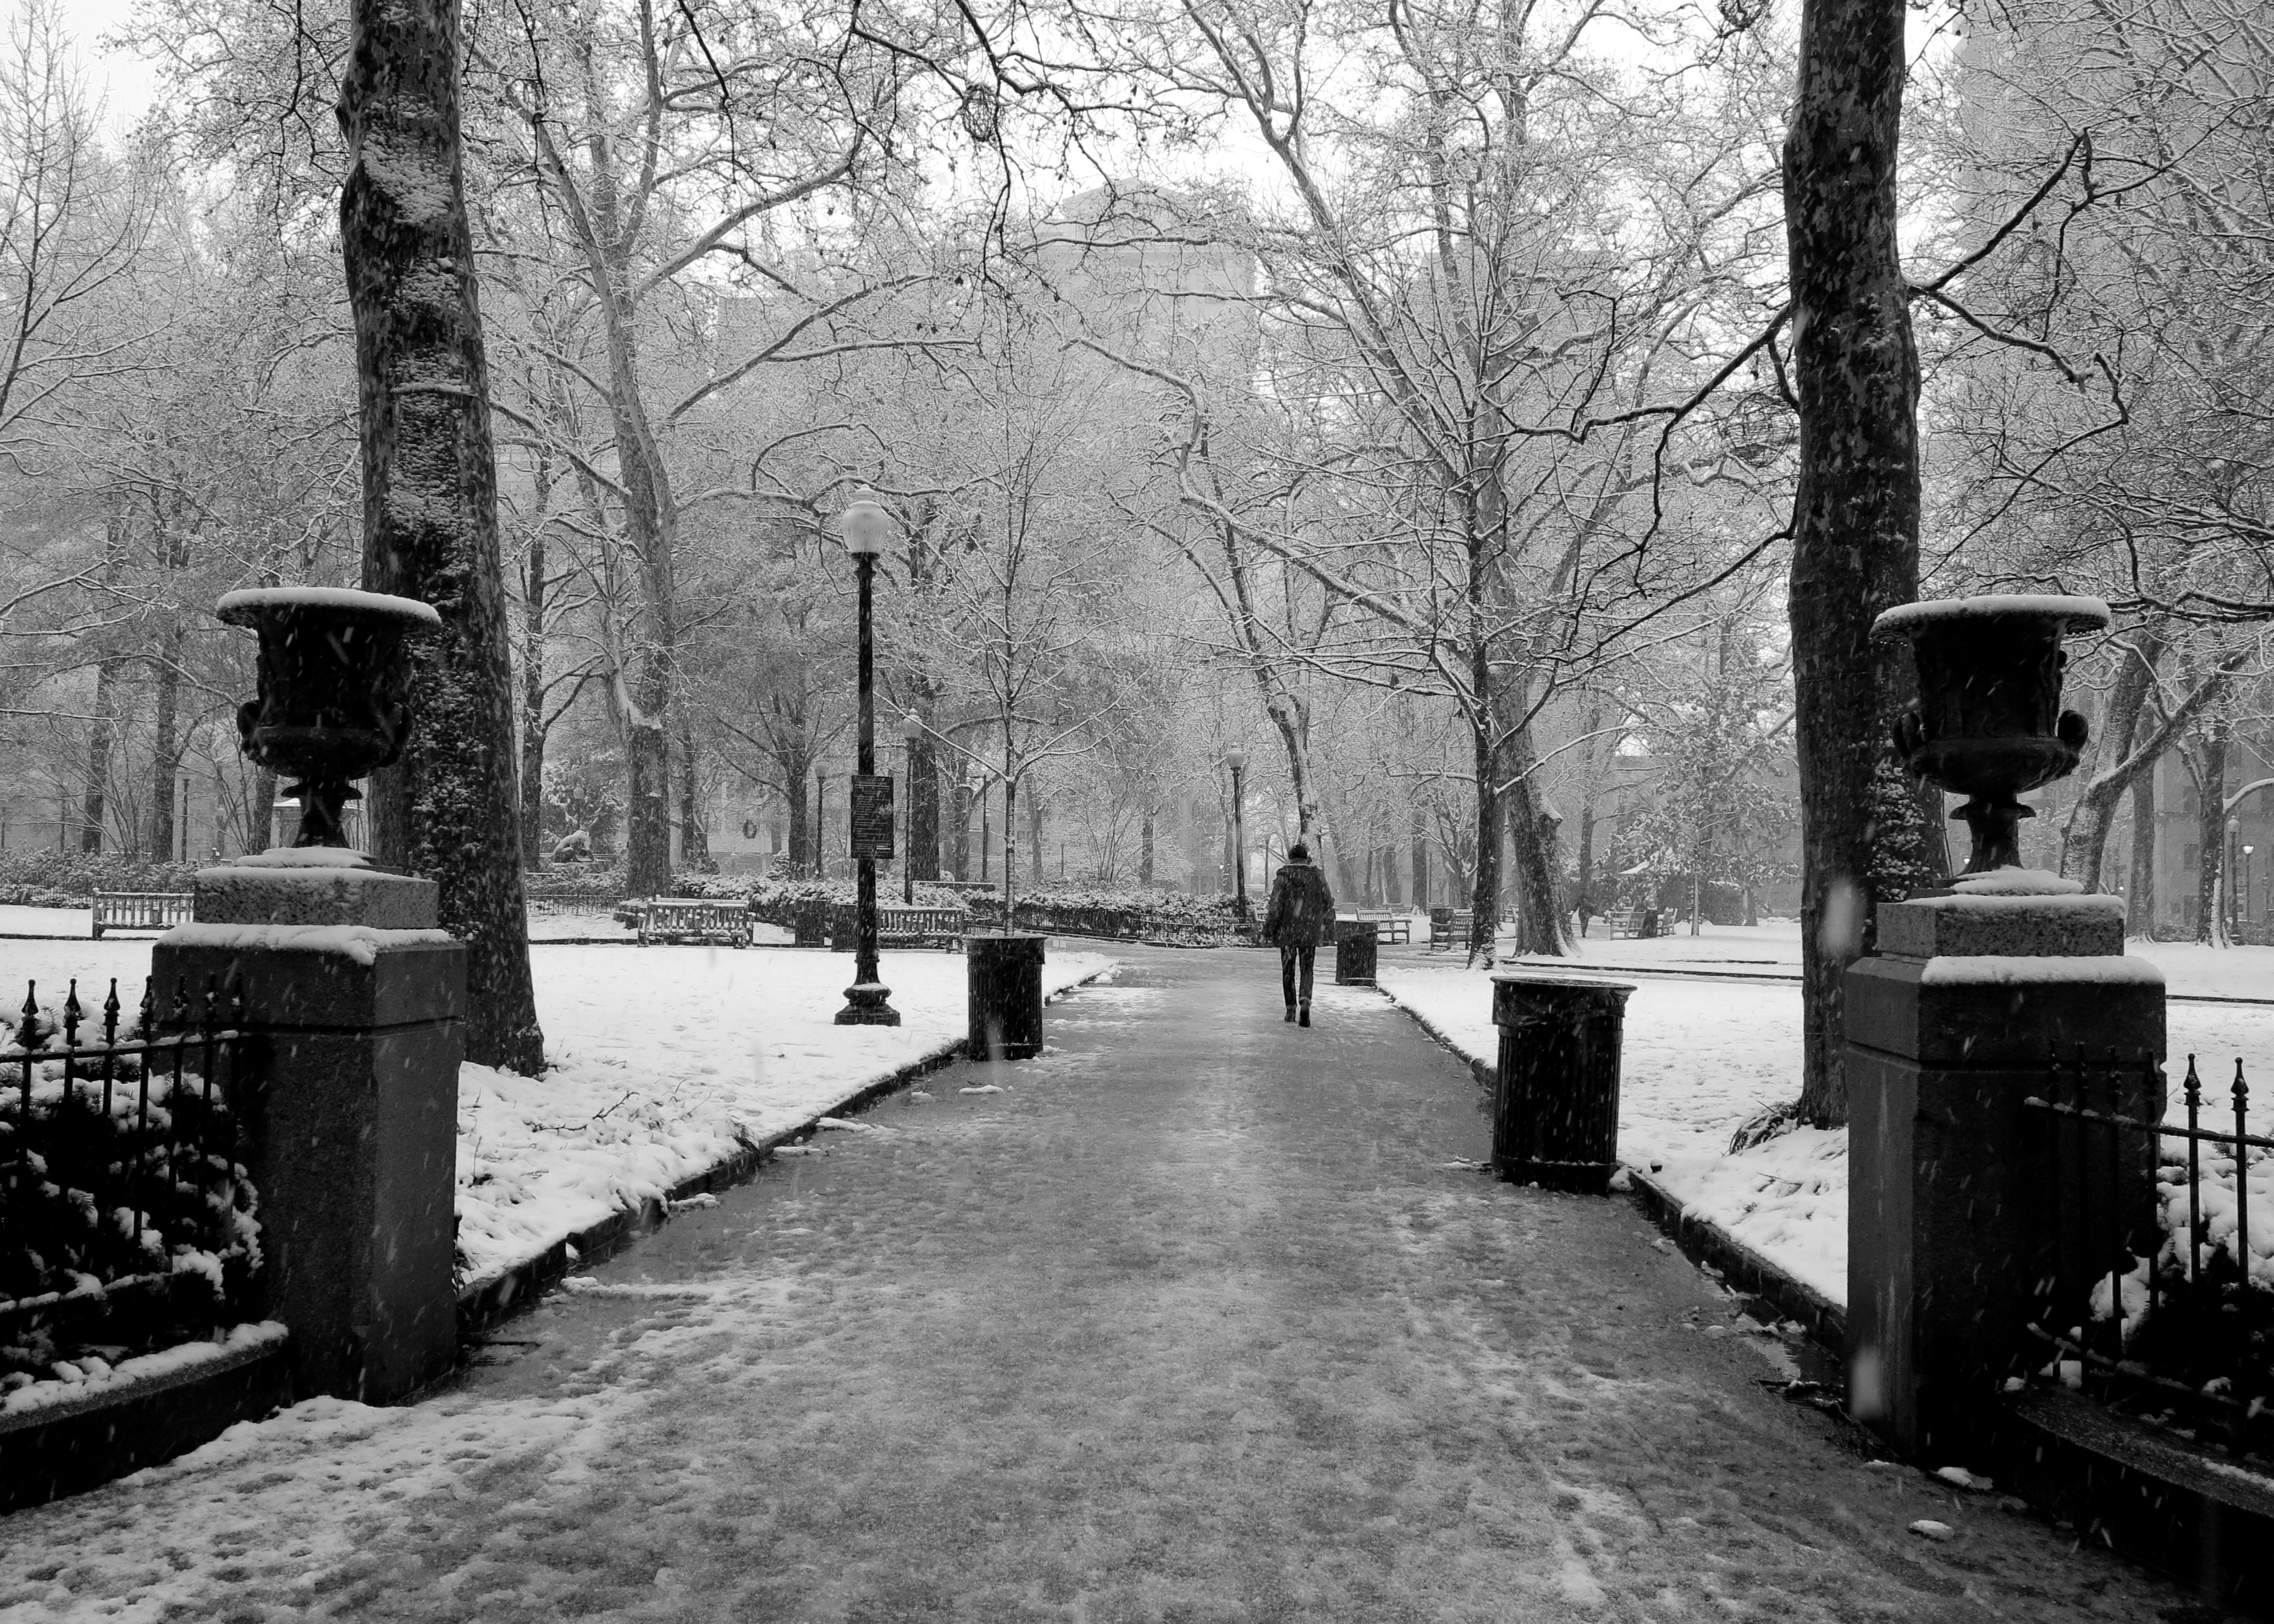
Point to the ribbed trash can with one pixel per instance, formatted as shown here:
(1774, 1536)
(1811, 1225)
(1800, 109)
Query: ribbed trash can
(1005, 975)
(1355, 941)
(1555, 1104)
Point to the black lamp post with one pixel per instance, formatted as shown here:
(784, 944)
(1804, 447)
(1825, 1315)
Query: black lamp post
(986, 833)
(866, 527)
(2246, 850)
(1236, 759)
(911, 729)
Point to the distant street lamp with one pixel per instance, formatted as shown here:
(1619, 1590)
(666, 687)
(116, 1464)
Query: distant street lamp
(866, 527)
(911, 729)
(2246, 883)
(1236, 759)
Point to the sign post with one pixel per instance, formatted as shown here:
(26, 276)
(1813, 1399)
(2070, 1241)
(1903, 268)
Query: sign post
(872, 817)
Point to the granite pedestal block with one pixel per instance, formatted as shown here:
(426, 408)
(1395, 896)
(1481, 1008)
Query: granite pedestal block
(356, 1032)
(1953, 1229)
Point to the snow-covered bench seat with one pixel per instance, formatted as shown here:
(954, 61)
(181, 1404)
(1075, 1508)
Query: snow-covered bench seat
(1390, 924)
(140, 910)
(693, 919)
(1449, 927)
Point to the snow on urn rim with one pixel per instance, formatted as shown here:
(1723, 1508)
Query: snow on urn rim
(245, 606)
(2077, 614)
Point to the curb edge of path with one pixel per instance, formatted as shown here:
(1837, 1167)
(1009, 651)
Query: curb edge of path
(484, 1303)
(1701, 1240)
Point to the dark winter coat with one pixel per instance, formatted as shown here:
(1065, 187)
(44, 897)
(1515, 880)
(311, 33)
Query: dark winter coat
(1302, 909)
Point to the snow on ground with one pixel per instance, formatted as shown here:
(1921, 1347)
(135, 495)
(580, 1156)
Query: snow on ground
(664, 1059)
(1773, 948)
(1702, 1057)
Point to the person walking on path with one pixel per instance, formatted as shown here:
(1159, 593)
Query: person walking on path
(1301, 914)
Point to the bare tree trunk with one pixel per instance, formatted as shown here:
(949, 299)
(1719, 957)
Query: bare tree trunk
(1532, 846)
(98, 758)
(2210, 834)
(801, 836)
(2140, 893)
(1484, 891)
(960, 836)
(694, 840)
(1855, 513)
(2084, 837)
(165, 748)
(1421, 840)
(923, 811)
(1145, 850)
(430, 502)
(532, 684)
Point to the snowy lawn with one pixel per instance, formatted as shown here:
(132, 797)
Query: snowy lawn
(663, 1060)
(1773, 948)
(1702, 1057)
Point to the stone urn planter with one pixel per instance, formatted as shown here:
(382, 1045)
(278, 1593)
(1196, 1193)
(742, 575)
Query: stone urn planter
(1988, 723)
(332, 680)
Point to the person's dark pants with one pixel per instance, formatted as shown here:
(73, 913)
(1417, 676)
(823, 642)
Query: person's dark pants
(1307, 955)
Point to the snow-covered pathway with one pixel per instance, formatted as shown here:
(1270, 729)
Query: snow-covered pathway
(1203, 1317)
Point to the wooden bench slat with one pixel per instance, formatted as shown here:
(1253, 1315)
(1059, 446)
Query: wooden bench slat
(139, 910)
(686, 916)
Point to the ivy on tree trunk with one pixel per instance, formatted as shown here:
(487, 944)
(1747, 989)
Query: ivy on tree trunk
(1855, 529)
(430, 502)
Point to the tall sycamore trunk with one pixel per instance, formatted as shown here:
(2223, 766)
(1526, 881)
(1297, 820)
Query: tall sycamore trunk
(1854, 549)
(2210, 834)
(165, 747)
(92, 805)
(694, 839)
(534, 587)
(923, 855)
(430, 502)
(2140, 893)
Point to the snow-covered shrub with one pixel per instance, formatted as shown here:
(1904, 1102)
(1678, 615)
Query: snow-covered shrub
(66, 879)
(1175, 916)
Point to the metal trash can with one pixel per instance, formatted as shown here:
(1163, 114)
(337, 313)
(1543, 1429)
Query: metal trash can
(1355, 941)
(1005, 975)
(1556, 1101)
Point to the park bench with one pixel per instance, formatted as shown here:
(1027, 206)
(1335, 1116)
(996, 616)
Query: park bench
(140, 910)
(1626, 921)
(1389, 925)
(910, 927)
(558, 903)
(1449, 927)
(682, 919)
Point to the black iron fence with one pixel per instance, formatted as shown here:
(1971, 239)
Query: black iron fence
(2161, 1304)
(127, 1220)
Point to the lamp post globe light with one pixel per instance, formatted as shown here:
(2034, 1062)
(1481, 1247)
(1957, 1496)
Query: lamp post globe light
(1236, 759)
(866, 527)
(911, 729)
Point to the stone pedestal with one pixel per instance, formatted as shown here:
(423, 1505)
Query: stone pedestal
(1951, 1227)
(355, 1004)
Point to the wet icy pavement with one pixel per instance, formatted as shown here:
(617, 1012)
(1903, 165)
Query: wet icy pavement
(1203, 1319)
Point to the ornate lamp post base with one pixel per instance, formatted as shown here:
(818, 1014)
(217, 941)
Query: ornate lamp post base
(865, 1006)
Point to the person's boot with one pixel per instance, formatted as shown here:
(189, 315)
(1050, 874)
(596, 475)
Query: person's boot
(1290, 1011)
(1307, 1013)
